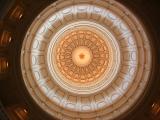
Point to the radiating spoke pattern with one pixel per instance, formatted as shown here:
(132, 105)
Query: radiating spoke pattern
(82, 56)
(86, 59)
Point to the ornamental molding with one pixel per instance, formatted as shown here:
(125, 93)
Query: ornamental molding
(109, 32)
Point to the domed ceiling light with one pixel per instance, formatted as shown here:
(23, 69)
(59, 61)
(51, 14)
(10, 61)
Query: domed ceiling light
(85, 59)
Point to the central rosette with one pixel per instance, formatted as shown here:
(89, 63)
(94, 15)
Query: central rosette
(82, 56)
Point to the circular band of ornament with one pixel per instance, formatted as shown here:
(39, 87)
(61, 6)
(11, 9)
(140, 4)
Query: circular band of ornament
(104, 51)
(121, 78)
(82, 59)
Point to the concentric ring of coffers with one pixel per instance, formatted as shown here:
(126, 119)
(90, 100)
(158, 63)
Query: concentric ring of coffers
(82, 56)
(126, 87)
(102, 77)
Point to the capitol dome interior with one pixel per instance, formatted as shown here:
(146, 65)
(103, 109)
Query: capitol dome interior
(79, 60)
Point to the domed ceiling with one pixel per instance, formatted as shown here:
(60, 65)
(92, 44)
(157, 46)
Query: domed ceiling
(86, 60)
